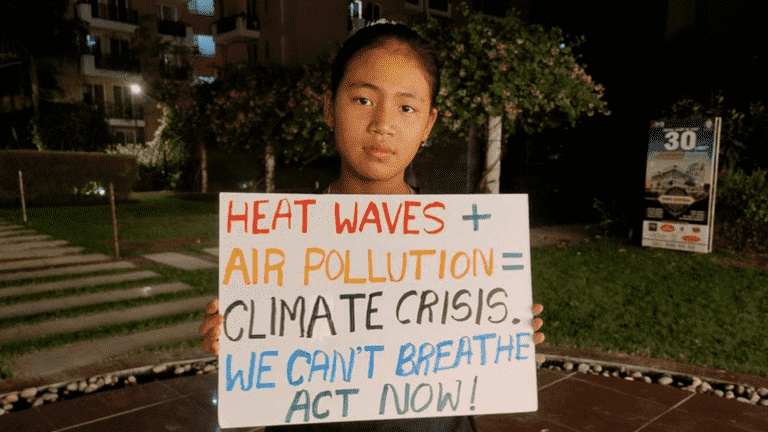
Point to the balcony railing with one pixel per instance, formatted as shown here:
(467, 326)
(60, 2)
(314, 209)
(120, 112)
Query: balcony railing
(127, 111)
(172, 28)
(114, 13)
(117, 63)
(229, 24)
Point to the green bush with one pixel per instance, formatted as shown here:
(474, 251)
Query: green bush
(741, 211)
(64, 177)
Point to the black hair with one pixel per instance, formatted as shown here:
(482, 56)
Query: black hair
(378, 35)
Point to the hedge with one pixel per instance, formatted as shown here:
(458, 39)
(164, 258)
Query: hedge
(63, 177)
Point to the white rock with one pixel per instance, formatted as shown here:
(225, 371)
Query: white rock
(719, 393)
(199, 372)
(597, 368)
(764, 402)
(704, 387)
(28, 393)
(188, 367)
(615, 374)
(762, 391)
(50, 397)
(132, 379)
(11, 398)
(72, 386)
(696, 382)
(629, 378)
(91, 388)
(583, 368)
(636, 374)
(159, 369)
(8, 407)
(741, 399)
(647, 379)
(92, 380)
(53, 389)
(729, 395)
(606, 374)
(568, 366)
(38, 402)
(665, 380)
(740, 389)
(108, 379)
(730, 387)
(754, 399)
(209, 368)
(100, 382)
(82, 385)
(179, 371)
(2, 411)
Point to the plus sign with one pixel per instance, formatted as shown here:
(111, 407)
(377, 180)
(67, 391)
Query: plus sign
(474, 217)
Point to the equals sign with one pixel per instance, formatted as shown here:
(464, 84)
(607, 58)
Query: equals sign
(511, 255)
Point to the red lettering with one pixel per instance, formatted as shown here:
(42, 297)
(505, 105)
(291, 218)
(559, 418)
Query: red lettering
(231, 217)
(372, 209)
(429, 206)
(282, 215)
(392, 225)
(258, 216)
(304, 211)
(407, 216)
(340, 225)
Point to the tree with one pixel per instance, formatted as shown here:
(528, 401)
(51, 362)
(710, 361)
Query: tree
(506, 68)
(31, 31)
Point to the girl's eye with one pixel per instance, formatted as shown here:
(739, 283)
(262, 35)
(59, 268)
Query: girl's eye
(362, 100)
(406, 108)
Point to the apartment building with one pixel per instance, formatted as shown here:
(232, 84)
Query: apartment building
(113, 71)
(117, 57)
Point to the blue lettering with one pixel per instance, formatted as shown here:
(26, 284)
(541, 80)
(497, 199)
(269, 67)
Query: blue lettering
(295, 406)
(319, 367)
(296, 354)
(230, 380)
(314, 405)
(508, 348)
(372, 349)
(424, 358)
(441, 354)
(383, 402)
(263, 368)
(482, 339)
(344, 393)
(517, 356)
(441, 399)
(404, 358)
(345, 374)
(465, 350)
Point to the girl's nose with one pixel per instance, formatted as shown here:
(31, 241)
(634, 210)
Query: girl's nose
(383, 117)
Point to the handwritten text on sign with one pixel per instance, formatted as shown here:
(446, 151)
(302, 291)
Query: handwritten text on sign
(362, 307)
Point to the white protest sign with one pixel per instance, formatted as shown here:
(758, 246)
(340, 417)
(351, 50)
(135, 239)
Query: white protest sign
(370, 307)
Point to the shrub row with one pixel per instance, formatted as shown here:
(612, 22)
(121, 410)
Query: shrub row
(64, 177)
(741, 211)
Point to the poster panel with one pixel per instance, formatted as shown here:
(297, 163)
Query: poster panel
(680, 181)
(370, 307)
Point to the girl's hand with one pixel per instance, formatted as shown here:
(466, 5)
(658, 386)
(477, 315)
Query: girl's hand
(538, 337)
(210, 330)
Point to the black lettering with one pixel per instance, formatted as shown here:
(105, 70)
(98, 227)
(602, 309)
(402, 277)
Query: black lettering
(250, 327)
(351, 298)
(226, 314)
(400, 303)
(315, 316)
(491, 294)
(292, 313)
(460, 305)
(424, 305)
(371, 311)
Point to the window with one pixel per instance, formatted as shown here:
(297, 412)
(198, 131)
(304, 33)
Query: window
(205, 45)
(123, 103)
(253, 52)
(166, 13)
(356, 9)
(201, 7)
(93, 94)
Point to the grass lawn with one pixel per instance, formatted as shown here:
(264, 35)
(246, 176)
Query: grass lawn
(154, 216)
(653, 302)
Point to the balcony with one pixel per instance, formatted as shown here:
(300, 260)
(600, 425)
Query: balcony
(108, 66)
(109, 17)
(237, 28)
(124, 111)
(172, 28)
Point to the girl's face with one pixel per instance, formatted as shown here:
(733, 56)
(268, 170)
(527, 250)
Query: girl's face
(381, 114)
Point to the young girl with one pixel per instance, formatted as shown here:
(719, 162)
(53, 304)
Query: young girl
(381, 108)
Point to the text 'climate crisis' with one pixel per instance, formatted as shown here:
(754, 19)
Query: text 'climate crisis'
(350, 219)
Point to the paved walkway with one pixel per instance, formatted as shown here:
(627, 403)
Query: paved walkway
(568, 400)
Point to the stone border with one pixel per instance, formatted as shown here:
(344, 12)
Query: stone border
(36, 396)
